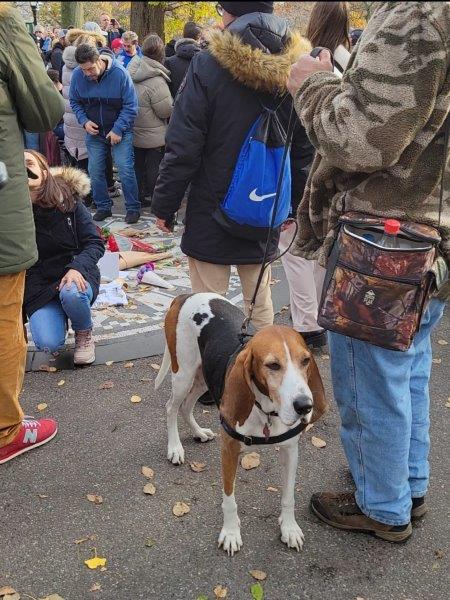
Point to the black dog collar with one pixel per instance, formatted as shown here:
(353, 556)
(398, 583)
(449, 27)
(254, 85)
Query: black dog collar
(253, 440)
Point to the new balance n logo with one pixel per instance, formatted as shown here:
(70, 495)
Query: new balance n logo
(30, 436)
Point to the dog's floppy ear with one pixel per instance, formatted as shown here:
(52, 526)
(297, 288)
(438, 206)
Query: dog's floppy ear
(238, 398)
(315, 384)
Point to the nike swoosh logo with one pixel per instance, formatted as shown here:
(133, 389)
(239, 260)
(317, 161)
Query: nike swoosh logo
(254, 196)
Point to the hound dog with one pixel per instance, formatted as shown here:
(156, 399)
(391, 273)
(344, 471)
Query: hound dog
(269, 386)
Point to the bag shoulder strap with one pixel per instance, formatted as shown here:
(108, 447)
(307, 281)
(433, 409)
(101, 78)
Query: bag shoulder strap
(444, 165)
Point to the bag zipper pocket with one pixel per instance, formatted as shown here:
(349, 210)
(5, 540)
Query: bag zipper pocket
(341, 263)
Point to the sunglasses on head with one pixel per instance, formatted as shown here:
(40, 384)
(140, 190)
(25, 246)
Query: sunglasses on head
(219, 10)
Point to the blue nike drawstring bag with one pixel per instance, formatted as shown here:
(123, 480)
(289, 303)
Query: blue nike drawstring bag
(247, 209)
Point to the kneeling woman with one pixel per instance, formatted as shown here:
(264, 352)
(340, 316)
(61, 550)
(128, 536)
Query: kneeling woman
(64, 282)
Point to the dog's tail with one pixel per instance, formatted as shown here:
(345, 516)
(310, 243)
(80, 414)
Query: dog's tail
(165, 366)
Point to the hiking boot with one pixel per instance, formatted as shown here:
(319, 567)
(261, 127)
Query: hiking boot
(101, 215)
(419, 508)
(315, 339)
(84, 348)
(341, 511)
(32, 434)
(132, 216)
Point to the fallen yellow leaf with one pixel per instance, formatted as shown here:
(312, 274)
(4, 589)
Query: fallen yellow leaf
(7, 589)
(108, 363)
(95, 498)
(95, 562)
(47, 369)
(318, 442)
(149, 488)
(250, 461)
(197, 467)
(53, 597)
(135, 399)
(42, 406)
(220, 591)
(258, 575)
(15, 596)
(180, 508)
(148, 472)
(60, 383)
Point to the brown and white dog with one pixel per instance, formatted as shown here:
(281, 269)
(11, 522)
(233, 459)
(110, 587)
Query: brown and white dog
(270, 386)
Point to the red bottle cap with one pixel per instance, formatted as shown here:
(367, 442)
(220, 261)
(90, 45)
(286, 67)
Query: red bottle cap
(391, 226)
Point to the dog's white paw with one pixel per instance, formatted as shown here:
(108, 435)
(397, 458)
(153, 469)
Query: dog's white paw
(176, 454)
(291, 534)
(230, 540)
(204, 435)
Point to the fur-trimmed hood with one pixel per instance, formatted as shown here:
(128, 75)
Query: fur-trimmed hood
(256, 67)
(78, 181)
(73, 34)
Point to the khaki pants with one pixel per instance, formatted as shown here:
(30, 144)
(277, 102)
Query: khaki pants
(12, 355)
(206, 277)
(305, 278)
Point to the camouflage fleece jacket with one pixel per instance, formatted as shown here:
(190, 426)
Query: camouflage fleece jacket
(378, 131)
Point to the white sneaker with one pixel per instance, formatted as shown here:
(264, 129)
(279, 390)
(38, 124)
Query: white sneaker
(84, 348)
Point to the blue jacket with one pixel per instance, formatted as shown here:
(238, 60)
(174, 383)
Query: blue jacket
(126, 58)
(111, 103)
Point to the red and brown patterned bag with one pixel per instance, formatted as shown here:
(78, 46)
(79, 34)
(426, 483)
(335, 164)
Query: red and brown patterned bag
(378, 294)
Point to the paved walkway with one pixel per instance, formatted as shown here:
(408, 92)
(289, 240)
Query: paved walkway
(135, 330)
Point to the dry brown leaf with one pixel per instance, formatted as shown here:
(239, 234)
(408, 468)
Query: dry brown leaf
(197, 467)
(47, 369)
(149, 488)
(359, 598)
(61, 382)
(220, 591)
(437, 361)
(146, 380)
(95, 587)
(180, 508)
(148, 472)
(108, 363)
(206, 412)
(258, 575)
(439, 553)
(106, 385)
(135, 399)
(250, 461)
(442, 342)
(155, 366)
(318, 442)
(15, 596)
(447, 404)
(95, 498)
(7, 589)
(42, 406)
(42, 496)
(128, 365)
(89, 538)
(271, 488)
(52, 597)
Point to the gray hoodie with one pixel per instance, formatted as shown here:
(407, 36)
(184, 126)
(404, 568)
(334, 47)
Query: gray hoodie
(74, 134)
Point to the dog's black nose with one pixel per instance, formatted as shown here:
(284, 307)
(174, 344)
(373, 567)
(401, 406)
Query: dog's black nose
(302, 405)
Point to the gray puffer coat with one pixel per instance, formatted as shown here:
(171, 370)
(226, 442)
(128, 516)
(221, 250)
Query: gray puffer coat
(74, 134)
(151, 80)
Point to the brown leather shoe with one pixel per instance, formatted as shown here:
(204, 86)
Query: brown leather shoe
(341, 511)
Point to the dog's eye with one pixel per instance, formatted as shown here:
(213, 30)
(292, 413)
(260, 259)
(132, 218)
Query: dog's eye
(305, 361)
(273, 366)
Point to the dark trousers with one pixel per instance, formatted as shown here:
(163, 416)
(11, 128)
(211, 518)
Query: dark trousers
(146, 166)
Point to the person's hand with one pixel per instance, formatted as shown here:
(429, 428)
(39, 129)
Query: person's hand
(287, 224)
(73, 276)
(114, 138)
(161, 225)
(305, 66)
(91, 128)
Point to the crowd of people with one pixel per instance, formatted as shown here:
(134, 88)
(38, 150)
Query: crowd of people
(370, 113)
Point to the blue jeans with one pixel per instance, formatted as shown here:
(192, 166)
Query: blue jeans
(383, 400)
(49, 324)
(123, 156)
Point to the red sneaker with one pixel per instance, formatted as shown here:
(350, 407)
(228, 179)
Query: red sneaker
(33, 433)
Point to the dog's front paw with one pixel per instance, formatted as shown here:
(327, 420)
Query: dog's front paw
(176, 454)
(291, 534)
(204, 435)
(230, 540)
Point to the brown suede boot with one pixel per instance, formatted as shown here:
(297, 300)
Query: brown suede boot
(341, 511)
(84, 348)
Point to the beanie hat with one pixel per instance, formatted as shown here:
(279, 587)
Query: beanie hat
(117, 43)
(238, 9)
